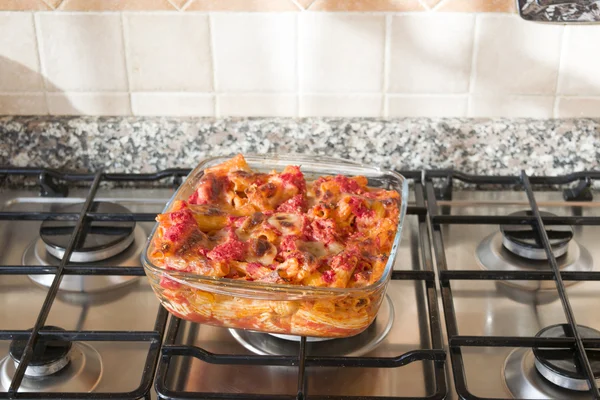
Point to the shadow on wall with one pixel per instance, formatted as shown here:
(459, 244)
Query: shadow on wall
(23, 92)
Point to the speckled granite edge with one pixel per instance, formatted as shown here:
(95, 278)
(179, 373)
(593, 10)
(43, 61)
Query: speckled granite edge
(134, 144)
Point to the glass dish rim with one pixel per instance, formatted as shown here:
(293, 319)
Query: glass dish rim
(208, 282)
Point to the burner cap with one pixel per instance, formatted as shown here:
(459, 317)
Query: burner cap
(491, 255)
(524, 382)
(562, 372)
(49, 356)
(104, 239)
(523, 240)
(81, 374)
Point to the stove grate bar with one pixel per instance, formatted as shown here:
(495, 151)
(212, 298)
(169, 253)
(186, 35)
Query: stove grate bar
(91, 216)
(512, 220)
(518, 275)
(350, 362)
(520, 341)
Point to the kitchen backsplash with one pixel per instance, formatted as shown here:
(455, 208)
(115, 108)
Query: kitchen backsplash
(373, 58)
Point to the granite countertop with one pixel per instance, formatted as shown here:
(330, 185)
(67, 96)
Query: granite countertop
(134, 144)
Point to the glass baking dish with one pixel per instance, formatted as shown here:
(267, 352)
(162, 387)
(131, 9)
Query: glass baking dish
(277, 308)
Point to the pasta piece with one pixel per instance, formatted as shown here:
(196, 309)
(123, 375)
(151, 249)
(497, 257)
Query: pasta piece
(340, 320)
(343, 266)
(202, 303)
(284, 308)
(262, 251)
(237, 163)
(182, 309)
(270, 323)
(287, 224)
(324, 307)
(252, 271)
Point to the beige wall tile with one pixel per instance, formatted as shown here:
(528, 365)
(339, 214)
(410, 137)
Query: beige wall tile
(173, 104)
(511, 106)
(168, 52)
(477, 5)
(578, 107)
(580, 66)
(21, 5)
(330, 105)
(19, 65)
(514, 56)
(257, 105)
(254, 52)
(427, 106)
(241, 5)
(89, 104)
(23, 104)
(82, 52)
(341, 53)
(366, 5)
(115, 5)
(431, 53)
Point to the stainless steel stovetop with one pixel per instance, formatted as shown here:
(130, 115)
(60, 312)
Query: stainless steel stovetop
(482, 307)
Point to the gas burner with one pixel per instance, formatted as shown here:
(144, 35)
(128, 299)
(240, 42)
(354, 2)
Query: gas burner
(106, 243)
(531, 374)
(56, 366)
(268, 344)
(48, 358)
(492, 255)
(523, 240)
(562, 372)
(104, 239)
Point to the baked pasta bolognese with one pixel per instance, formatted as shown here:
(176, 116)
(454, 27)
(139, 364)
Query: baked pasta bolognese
(272, 230)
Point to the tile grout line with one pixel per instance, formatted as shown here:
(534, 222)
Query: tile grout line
(213, 66)
(387, 48)
(438, 5)
(124, 35)
(299, 70)
(473, 71)
(297, 66)
(175, 5)
(561, 62)
(291, 93)
(295, 2)
(38, 45)
(186, 5)
(424, 5)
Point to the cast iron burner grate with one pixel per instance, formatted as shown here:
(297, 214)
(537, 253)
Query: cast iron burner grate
(536, 236)
(425, 209)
